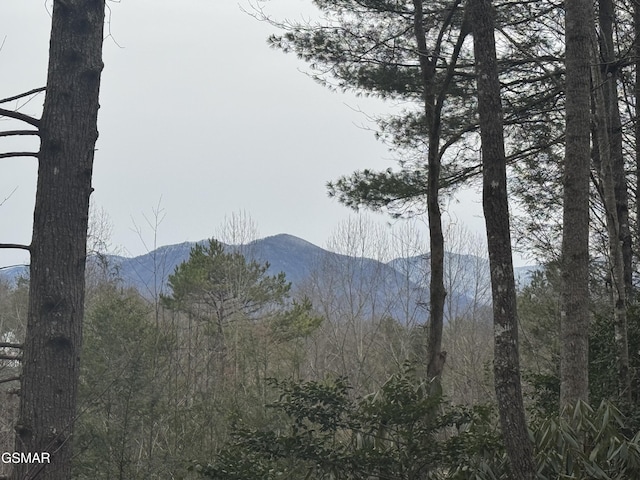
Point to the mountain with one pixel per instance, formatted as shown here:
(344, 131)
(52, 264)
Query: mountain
(401, 282)
(284, 253)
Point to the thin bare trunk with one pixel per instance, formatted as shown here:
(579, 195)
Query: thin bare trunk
(609, 141)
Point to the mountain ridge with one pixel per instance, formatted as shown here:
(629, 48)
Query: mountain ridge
(467, 275)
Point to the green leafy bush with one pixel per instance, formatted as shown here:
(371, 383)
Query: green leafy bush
(587, 443)
(400, 432)
(403, 433)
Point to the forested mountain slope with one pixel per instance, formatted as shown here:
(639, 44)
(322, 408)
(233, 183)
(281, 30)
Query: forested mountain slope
(304, 263)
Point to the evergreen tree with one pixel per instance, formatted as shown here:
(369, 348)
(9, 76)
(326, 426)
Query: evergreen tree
(53, 340)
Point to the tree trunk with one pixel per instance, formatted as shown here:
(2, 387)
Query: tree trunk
(636, 50)
(496, 212)
(437, 292)
(574, 313)
(610, 75)
(636, 25)
(609, 141)
(53, 340)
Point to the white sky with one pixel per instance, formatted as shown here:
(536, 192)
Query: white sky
(197, 110)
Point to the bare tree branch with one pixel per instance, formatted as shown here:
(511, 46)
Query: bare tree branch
(8, 196)
(10, 133)
(13, 266)
(18, 154)
(10, 345)
(22, 95)
(20, 116)
(9, 379)
(17, 246)
(12, 358)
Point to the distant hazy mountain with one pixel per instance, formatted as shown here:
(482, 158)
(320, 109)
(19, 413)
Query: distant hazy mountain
(285, 253)
(467, 276)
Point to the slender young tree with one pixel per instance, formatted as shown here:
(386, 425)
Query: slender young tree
(68, 133)
(389, 59)
(574, 314)
(636, 95)
(437, 292)
(608, 155)
(610, 73)
(496, 213)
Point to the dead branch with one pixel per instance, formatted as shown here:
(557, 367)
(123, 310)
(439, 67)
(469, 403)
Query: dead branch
(10, 133)
(20, 116)
(10, 379)
(11, 358)
(17, 246)
(21, 95)
(18, 154)
(8, 196)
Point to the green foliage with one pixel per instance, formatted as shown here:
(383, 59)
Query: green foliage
(295, 322)
(587, 443)
(539, 316)
(121, 388)
(149, 405)
(400, 432)
(368, 47)
(14, 300)
(13, 319)
(226, 283)
(603, 371)
(379, 190)
(538, 310)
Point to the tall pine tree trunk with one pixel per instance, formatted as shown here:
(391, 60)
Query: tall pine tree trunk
(574, 313)
(68, 133)
(636, 50)
(496, 213)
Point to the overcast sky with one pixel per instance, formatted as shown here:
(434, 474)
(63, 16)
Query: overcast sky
(199, 114)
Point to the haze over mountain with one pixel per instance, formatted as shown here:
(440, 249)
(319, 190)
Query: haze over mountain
(467, 276)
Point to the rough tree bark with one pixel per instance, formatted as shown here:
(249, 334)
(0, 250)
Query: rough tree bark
(496, 212)
(636, 50)
(574, 313)
(636, 94)
(68, 132)
(433, 104)
(608, 132)
(437, 292)
(610, 75)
